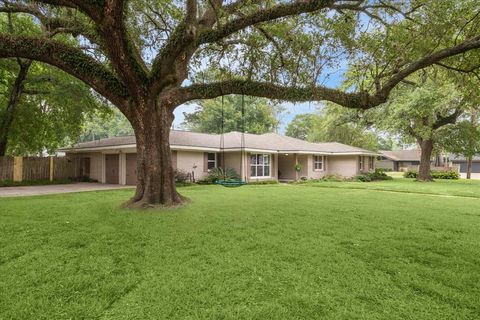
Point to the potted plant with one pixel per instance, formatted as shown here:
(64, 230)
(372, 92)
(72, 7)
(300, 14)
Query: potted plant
(298, 167)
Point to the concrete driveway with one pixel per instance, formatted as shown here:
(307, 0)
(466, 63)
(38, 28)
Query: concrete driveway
(475, 176)
(57, 188)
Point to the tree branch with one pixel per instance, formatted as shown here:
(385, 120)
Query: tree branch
(358, 100)
(273, 13)
(267, 90)
(68, 59)
(450, 119)
(120, 49)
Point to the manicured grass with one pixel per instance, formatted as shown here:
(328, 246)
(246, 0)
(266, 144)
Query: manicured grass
(255, 252)
(461, 187)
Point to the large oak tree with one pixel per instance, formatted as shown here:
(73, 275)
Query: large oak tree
(147, 57)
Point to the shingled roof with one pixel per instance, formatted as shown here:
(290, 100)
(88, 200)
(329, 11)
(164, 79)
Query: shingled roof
(402, 155)
(269, 141)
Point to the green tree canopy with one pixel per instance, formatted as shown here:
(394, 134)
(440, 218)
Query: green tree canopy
(49, 106)
(105, 123)
(259, 115)
(335, 124)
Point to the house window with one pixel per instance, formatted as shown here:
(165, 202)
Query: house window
(318, 163)
(260, 165)
(370, 164)
(360, 163)
(211, 161)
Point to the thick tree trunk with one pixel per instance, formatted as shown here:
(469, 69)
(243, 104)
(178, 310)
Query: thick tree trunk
(13, 100)
(156, 180)
(426, 146)
(469, 167)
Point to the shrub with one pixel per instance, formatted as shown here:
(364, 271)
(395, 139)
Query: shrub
(363, 178)
(410, 174)
(333, 177)
(379, 174)
(263, 182)
(450, 175)
(182, 176)
(221, 174)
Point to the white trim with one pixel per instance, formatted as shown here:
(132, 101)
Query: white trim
(122, 170)
(322, 162)
(262, 166)
(104, 178)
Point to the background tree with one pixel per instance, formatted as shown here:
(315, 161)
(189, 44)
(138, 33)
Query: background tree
(105, 123)
(41, 108)
(463, 139)
(302, 126)
(260, 116)
(335, 124)
(267, 49)
(419, 113)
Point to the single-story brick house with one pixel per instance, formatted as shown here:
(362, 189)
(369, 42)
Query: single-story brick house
(462, 163)
(266, 156)
(398, 160)
(402, 160)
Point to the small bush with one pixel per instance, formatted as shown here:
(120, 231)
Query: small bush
(449, 175)
(379, 174)
(363, 178)
(182, 176)
(333, 177)
(410, 174)
(220, 174)
(263, 182)
(83, 179)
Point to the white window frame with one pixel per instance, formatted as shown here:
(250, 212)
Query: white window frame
(256, 165)
(210, 161)
(361, 164)
(321, 162)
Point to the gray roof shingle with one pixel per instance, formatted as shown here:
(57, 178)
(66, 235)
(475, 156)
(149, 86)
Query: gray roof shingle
(402, 155)
(232, 140)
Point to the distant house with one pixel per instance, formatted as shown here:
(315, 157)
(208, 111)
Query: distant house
(462, 162)
(402, 160)
(398, 160)
(267, 156)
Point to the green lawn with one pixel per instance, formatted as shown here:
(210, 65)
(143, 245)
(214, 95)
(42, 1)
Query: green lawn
(255, 252)
(459, 188)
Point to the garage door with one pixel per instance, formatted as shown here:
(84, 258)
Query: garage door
(111, 168)
(131, 168)
(475, 167)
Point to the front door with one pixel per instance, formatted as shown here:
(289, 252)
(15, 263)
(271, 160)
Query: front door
(111, 168)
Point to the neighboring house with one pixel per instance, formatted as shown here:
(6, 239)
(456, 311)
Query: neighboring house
(462, 162)
(267, 156)
(398, 160)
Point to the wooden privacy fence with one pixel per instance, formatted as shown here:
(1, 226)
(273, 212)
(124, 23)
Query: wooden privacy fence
(40, 168)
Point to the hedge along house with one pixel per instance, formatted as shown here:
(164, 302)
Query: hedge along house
(268, 156)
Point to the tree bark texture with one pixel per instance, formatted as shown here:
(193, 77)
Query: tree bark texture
(13, 100)
(155, 173)
(426, 146)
